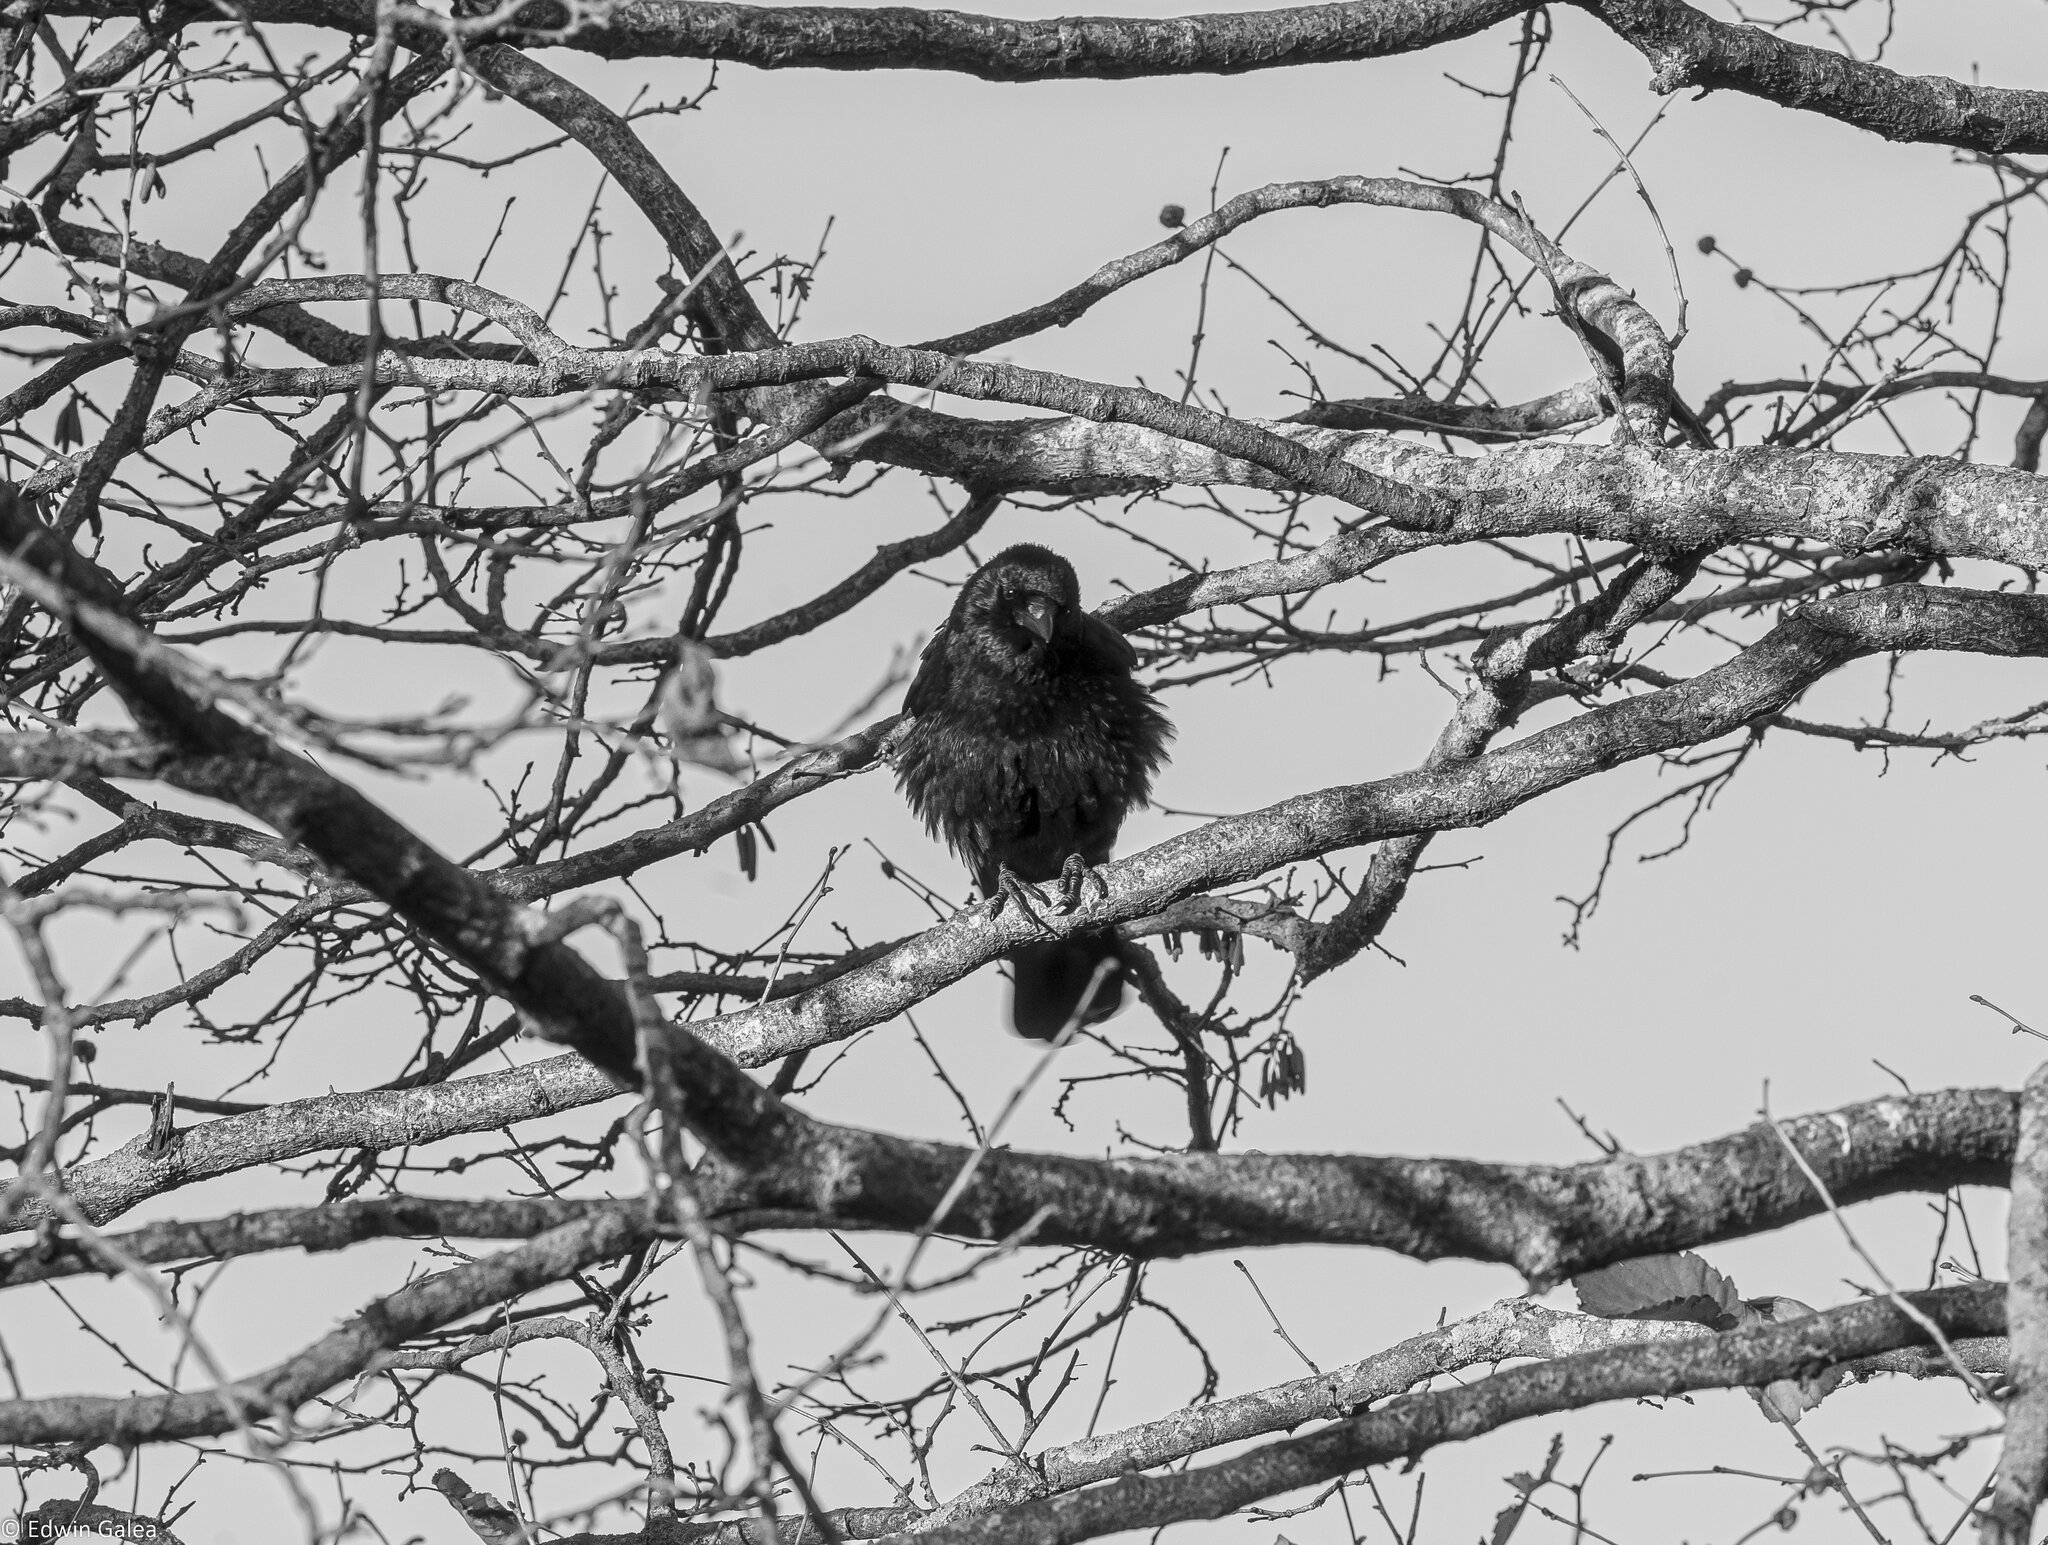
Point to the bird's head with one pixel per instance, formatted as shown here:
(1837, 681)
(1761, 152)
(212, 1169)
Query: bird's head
(1025, 597)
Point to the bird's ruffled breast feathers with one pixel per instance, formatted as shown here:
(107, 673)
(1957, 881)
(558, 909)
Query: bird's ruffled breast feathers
(973, 755)
(1014, 734)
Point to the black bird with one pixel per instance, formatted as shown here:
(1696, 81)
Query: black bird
(1029, 744)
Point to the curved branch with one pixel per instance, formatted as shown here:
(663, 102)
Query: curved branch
(1409, 1428)
(1641, 353)
(353, 1347)
(1513, 1328)
(1690, 50)
(330, 1226)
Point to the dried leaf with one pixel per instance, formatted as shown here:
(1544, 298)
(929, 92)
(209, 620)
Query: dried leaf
(1286, 1071)
(1786, 1400)
(1504, 1522)
(688, 714)
(1526, 1485)
(689, 694)
(70, 425)
(1662, 1287)
(488, 1518)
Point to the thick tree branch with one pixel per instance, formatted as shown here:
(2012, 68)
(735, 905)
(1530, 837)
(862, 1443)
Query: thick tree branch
(1412, 1427)
(865, 362)
(1573, 407)
(1409, 1428)
(352, 1348)
(991, 47)
(331, 1226)
(1513, 1329)
(2023, 1460)
(60, 754)
(1684, 47)
(1548, 1222)
(1689, 50)
(1668, 499)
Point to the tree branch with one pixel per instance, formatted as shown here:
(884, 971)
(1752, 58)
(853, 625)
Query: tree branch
(1548, 1222)
(351, 1349)
(2023, 1460)
(1409, 1428)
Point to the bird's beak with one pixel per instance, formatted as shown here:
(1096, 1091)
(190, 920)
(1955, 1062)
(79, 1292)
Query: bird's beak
(1037, 615)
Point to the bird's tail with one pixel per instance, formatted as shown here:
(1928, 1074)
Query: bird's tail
(1052, 976)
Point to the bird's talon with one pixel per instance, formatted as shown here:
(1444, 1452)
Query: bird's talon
(1075, 877)
(1022, 893)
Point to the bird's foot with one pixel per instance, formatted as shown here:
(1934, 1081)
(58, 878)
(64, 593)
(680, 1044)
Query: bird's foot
(1076, 875)
(1011, 890)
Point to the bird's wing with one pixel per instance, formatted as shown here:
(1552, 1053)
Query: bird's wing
(1105, 642)
(928, 686)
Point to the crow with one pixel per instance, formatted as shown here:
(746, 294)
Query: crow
(1029, 743)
